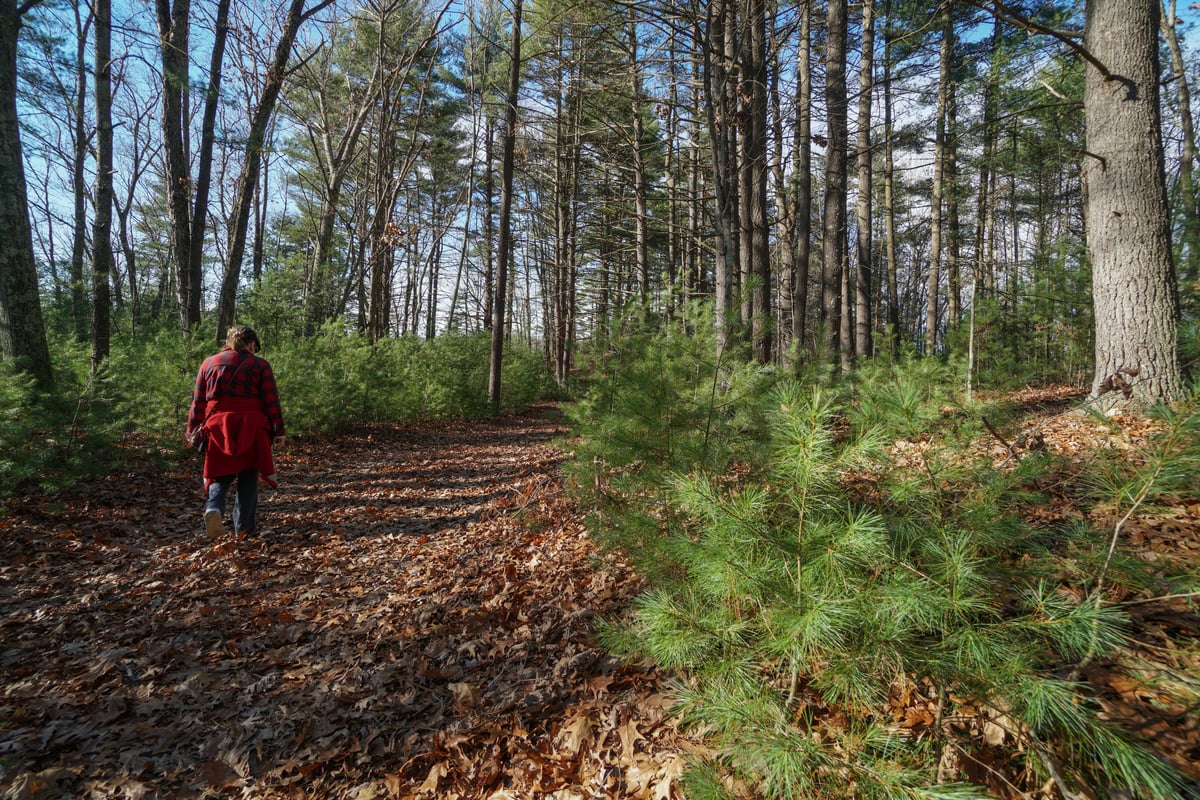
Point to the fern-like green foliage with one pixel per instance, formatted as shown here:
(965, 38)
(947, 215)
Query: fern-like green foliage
(802, 589)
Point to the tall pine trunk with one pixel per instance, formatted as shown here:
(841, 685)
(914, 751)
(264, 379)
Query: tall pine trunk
(1128, 221)
(864, 278)
(79, 190)
(756, 152)
(173, 32)
(933, 287)
(889, 190)
(22, 332)
(102, 254)
(834, 231)
(499, 318)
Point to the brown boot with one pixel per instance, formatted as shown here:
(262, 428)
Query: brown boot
(212, 523)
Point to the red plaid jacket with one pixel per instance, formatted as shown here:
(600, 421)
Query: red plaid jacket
(233, 374)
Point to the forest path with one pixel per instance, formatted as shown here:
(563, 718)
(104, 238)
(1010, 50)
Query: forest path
(414, 621)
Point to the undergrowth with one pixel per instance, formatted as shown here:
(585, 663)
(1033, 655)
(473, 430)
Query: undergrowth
(137, 404)
(852, 604)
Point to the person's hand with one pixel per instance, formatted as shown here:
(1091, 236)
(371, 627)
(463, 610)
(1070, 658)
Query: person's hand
(279, 440)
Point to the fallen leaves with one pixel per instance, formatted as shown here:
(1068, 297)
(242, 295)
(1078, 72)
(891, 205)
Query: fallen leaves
(414, 622)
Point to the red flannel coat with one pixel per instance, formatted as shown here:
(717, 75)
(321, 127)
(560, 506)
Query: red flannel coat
(236, 402)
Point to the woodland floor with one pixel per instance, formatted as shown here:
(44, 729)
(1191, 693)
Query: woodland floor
(415, 621)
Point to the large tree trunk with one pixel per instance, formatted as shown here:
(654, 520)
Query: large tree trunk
(834, 246)
(22, 333)
(102, 254)
(1128, 222)
(863, 281)
(496, 360)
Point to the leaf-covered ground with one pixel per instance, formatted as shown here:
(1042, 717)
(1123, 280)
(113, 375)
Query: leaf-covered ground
(414, 622)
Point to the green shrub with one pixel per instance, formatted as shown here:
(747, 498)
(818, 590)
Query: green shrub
(337, 379)
(661, 400)
(803, 603)
(328, 382)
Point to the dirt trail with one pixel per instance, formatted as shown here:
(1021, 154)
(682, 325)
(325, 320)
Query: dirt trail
(415, 621)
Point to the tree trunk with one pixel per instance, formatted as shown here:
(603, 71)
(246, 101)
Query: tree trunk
(985, 198)
(102, 254)
(889, 190)
(496, 359)
(173, 41)
(239, 220)
(953, 248)
(212, 97)
(864, 278)
(640, 190)
(1128, 222)
(933, 288)
(756, 153)
(803, 147)
(489, 220)
(718, 51)
(834, 235)
(22, 332)
(78, 180)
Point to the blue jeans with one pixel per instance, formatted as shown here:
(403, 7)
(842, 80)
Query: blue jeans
(245, 503)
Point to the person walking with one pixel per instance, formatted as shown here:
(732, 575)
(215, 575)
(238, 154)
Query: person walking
(235, 419)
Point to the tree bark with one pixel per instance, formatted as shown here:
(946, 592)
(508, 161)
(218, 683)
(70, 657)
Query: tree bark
(953, 248)
(834, 245)
(889, 188)
(756, 154)
(1128, 222)
(864, 277)
(985, 198)
(102, 254)
(718, 54)
(803, 146)
(496, 360)
(640, 191)
(933, 287)
(81, 141)
(173, 42)
(22, 332)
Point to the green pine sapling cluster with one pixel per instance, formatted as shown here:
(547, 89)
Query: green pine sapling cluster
(809, 588)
